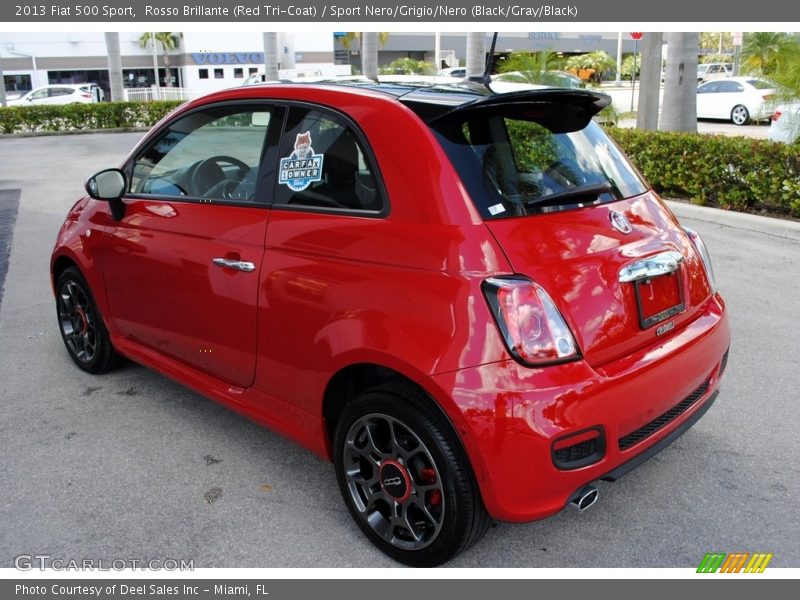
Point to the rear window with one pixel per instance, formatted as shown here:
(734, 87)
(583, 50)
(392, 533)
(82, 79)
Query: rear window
(759, 84)
(517, 165)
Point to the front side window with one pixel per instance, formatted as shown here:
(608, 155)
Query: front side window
(211, 154)
(323, 164)
(522, 163)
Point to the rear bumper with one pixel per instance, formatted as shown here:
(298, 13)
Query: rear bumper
(510, 415)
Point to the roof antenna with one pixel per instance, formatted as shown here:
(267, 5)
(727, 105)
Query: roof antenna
(486, 78)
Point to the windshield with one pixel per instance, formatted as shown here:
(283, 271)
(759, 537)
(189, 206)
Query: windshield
(513, 166)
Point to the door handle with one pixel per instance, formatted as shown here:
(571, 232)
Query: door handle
(653, 266)
(239, 265)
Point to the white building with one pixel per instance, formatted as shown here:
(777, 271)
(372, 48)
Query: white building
(202, 61)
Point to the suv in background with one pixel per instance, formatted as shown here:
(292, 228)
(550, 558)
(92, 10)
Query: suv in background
(709, 71)
(61, 93)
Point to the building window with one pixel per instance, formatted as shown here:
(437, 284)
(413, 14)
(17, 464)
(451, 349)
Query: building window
(202, 73)
(219, 74)
(238, 72)
(252, 70)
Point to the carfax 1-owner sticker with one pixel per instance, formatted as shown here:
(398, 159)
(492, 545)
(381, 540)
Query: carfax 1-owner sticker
(302, 167)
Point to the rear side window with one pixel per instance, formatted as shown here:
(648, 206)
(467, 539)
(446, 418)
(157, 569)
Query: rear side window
(514, 165)
(323, 164)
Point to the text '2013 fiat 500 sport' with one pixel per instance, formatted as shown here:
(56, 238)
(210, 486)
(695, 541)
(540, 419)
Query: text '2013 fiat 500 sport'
(469, 302)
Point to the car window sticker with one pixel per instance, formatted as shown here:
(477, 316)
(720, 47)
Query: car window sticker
(302, 167)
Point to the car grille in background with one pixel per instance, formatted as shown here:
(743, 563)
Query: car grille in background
(653, 426)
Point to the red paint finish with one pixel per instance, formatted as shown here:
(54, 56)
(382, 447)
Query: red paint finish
(402, 291)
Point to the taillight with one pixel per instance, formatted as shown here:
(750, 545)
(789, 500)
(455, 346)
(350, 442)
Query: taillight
(86, 95)
(776, 115)
(533, 329)
(700, 246)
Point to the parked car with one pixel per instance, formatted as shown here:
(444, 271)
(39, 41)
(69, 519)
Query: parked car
(61, 93)
(711, 71)
(785, 124)
(471, 303)
(740, 99)
(547, 78)
(460, 72)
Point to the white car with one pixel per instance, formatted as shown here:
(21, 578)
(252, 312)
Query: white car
(453, 72)
(785, 125)
(740, 99)
(61, 93)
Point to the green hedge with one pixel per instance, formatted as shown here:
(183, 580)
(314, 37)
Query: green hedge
(102, 115)
(730, 172)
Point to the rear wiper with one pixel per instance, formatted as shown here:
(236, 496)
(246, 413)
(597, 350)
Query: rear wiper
(560, 198)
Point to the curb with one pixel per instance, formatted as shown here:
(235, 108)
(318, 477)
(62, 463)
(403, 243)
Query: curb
(789, 230)
(27, 134)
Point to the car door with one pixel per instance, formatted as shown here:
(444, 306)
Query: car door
(706, 94)
(39, 97)
(182, 264)
(728, 94)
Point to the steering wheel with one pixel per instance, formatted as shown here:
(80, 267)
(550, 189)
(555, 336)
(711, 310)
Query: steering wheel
(208, 173)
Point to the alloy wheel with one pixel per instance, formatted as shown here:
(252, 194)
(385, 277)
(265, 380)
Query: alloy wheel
(393, 481)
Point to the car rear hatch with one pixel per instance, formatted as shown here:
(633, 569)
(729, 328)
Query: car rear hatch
(574, 216)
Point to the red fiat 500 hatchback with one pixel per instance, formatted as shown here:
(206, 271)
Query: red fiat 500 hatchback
(470, 302)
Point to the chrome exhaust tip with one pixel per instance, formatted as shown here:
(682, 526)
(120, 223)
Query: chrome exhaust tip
(585, 498)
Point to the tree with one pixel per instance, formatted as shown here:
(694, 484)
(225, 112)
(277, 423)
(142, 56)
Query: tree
(597, 62)
(650, 81)
(715, 42)
(763, 51)
(352, 38)
(680, 83)
(533, 66)
(114, 66)
(168, 41)
(408, 66)
(271, 56)
(476, 53)
(369, 55)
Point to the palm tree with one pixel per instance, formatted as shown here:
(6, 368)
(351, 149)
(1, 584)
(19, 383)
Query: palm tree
(369, 43)
(762, 51)
(271, 56)
(534, 66)
(597, 61)
(650, 81)
(476, 53)
(168, 40)
(680, 83)
(114, 66)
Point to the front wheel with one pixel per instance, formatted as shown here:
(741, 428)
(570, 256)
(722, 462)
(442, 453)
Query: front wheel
(740, 115)
(405, 477)
(81, 325)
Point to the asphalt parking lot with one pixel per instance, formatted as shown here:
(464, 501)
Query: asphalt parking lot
(132, 466)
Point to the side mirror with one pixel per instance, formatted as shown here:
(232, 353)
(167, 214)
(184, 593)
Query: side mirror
(107, 185)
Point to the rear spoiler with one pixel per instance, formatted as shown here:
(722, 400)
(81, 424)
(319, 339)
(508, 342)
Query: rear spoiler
(560, 110)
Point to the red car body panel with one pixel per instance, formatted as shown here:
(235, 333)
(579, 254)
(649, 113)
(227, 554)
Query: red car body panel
(402, 292)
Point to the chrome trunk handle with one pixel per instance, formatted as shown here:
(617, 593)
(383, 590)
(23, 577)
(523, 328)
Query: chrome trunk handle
(652, 266)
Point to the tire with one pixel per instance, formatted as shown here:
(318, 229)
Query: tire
(740, 115)
(405, 478)
(81, 325)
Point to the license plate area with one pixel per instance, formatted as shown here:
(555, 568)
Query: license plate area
(659, 298)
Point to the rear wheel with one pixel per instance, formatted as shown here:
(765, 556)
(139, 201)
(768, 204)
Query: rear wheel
(740, 115)
(81, 325)
(405, 478)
